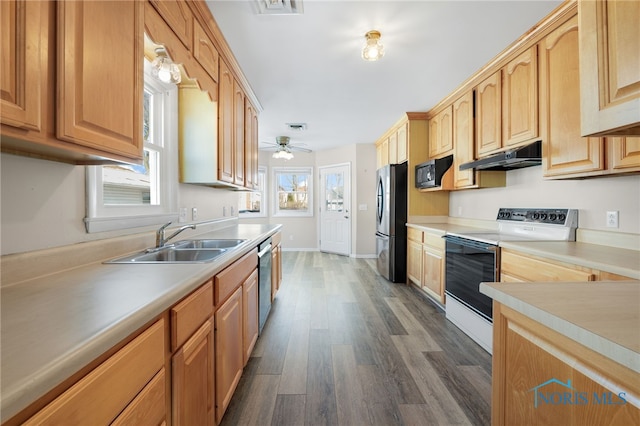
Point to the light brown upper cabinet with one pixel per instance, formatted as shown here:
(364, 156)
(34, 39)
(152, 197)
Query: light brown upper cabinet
(204, 51)
(520, 98)
(23, 88)
(507, 105)
(178, 16)
(226, 150)
(100, 96)
(238, 134)
(623, 154)
(441, 133)
(393, 148)
(463, 140)
(610, 67)
(565, 152)
(250, 146)
(89, 109)
(401, 135)
(489, 114)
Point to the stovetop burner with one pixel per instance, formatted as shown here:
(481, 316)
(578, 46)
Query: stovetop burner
(529, 225)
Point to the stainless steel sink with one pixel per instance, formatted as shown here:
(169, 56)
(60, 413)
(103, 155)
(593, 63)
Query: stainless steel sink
(208, 244)
(172, 255)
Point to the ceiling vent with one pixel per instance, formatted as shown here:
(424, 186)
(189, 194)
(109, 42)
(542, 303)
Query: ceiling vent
(280, 7)
(296, 127)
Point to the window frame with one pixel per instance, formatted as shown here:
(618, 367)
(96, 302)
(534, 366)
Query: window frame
(100, 217)
(263, 199)
(276, 212)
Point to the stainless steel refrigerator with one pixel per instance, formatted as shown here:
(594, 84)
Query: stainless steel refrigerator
(391, 219)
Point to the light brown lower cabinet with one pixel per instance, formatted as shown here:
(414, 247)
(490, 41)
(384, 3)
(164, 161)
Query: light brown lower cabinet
(516, 267)
(193, 379)
(115, 386)
(542, 377)
(229, 355)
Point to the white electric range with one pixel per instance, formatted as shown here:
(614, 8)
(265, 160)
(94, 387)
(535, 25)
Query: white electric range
(474, 257)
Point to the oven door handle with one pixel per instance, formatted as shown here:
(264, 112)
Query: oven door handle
(470, 243)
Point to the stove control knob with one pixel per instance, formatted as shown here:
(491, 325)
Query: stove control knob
(543, 216)
(536, 215)
(507, 215)
(561, 217)
(552, 217)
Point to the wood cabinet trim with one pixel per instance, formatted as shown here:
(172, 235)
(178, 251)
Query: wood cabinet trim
(188, 315)
(227, 281)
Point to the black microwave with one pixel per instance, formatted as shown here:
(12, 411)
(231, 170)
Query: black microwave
(429, 174)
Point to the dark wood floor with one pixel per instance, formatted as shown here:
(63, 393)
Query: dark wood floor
(343, 346)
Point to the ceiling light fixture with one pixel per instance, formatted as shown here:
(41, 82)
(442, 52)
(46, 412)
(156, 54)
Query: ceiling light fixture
(164, 69)
(373, 50)
(284, 153)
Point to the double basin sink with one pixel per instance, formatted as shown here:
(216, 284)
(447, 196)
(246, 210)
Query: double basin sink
(186, 251)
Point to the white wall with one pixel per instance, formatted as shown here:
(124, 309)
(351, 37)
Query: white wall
(527, 188)
(43, 204)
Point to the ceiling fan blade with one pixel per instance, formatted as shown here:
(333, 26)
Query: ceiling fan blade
(299, 149)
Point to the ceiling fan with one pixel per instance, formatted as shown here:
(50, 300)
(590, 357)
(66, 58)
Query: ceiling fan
(284, 148)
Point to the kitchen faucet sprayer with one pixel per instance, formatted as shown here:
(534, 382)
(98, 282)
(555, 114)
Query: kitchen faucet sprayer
(160, 238)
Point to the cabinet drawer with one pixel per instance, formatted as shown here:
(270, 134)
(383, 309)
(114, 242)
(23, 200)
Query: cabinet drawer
(149, 407)
(434, 241)
(231, 278)
(100, 396)
(276, 238)
(414, 235)
(516, 265)
(188, 315)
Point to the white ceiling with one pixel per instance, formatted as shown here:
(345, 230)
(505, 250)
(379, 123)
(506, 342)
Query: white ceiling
(307, 68)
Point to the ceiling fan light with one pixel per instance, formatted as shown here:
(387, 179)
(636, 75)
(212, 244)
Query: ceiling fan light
(373, 49)
(284, 154)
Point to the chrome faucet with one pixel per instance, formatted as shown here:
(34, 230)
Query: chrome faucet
(160, 238)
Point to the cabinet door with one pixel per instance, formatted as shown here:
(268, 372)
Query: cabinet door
(250, 145)
(225, 122)
(204, 51)
(178, 16)
(149, 408)
(441, 133)
(393, 148)
(414, 262)
(401, 134)
(624, 154)
(238, 133)
(100, 89)
(250, 315)
(520, 98)
(229, 353)
(463, 140)
(385, 152)
(489, 114)
(565, 152)
(22, 87)
(433, 273)
(610, 67)
(192, 382)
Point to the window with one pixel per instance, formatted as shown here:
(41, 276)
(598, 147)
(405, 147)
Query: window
(123, 196)
(293, 191)
(253, 204)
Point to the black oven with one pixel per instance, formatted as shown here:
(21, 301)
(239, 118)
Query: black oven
(467, 264)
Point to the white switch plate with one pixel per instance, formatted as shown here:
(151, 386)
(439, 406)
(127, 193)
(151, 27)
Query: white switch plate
(612, 219)
(362, 207)
(194, 213)
(183, 215)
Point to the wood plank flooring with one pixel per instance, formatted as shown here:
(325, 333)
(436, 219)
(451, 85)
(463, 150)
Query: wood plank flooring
(343, 346)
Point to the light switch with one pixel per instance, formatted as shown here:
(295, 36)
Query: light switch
(362, 207)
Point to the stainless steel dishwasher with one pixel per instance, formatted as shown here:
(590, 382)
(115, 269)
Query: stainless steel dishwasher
(264, 281)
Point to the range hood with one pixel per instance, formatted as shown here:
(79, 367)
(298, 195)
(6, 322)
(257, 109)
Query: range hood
(517, 158)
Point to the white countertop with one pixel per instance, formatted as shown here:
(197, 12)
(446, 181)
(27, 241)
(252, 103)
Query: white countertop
(54, 325)
(604, 316)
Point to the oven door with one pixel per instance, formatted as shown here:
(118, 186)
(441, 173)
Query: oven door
(467, 264)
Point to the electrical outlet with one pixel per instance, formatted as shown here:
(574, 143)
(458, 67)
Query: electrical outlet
(224, 211)
(194, 213)
(612, 219)
(183, 215)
